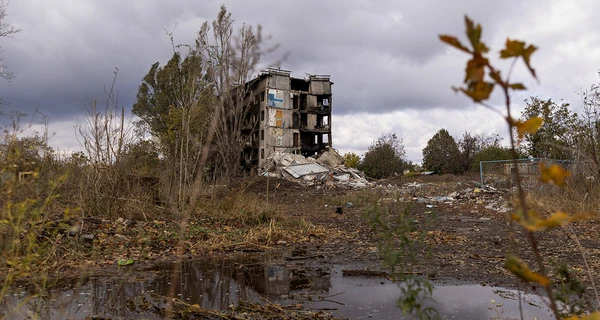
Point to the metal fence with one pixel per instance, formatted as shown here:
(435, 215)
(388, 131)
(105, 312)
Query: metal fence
(502, 173)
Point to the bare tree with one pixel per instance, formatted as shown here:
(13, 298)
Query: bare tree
(6, 30)
(230, 60)
(227, 63)
(104, 136)
(106, 131)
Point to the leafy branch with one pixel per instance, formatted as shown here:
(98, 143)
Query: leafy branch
(480, 80)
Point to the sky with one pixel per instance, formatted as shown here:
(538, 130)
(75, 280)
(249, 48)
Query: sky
(391, 72)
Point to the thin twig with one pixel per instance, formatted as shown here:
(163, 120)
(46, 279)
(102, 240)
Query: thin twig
(585, 262)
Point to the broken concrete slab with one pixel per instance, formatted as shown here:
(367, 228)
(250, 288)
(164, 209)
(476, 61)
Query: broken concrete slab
(288, 159)
(331, 158)
(342, 177)
(301, 170)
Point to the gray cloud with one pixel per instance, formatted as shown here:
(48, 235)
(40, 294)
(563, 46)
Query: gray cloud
(384, 56)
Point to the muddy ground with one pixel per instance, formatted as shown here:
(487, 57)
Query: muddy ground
(465, 229)
(467, 235)
(466, 232)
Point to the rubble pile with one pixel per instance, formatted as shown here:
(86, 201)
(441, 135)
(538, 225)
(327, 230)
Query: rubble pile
(432, 195)
(325, 171)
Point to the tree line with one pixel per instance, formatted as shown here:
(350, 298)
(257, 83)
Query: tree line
(563, 135)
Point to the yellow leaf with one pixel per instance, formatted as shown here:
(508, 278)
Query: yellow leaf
(593, 316)
(533, 222)
(479, 91)
(526, 57)
(530, 126)
(553, 174)
(514, 48)
(454, 42)
(517, 86)
(521, 270)
(475, 70)
(474, 35)
(496, 76)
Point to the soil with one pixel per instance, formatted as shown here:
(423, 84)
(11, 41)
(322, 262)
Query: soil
(467, 234)
(468, 237)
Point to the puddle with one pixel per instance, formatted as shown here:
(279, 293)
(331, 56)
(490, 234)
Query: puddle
(219, 284)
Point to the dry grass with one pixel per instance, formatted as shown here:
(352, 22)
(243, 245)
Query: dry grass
(241, 220)
(577, 197)
(361, 198)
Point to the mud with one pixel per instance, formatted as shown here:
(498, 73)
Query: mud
(467, 237)
(221, 283)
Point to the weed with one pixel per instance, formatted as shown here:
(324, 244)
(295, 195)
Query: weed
(401, 246)
(478, 87)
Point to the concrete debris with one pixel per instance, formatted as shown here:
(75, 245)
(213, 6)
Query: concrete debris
(307, 169)
(435, 199)
(413, 185)
(342, 177)
(331, 158)
(288, 159)
(358, 184)
(327, 171)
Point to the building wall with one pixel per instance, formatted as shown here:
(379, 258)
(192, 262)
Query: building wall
(276, 128)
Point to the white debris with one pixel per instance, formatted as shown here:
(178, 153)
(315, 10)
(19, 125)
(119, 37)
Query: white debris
(328, 170)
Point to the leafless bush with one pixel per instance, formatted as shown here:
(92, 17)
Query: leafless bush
(104, 176)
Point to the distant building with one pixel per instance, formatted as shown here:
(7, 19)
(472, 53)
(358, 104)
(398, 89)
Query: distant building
(288, 115)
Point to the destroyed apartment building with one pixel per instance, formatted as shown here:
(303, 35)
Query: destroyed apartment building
(289, 125)
(293, 116)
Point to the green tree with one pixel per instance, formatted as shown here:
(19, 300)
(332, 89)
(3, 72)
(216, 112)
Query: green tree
(384, 158)
(470, 145)
(441, 153)
(493, 152)
(201, 98)
(556, 137)
(351, 159)
(588, 142)
(196, 105)
(166, 95)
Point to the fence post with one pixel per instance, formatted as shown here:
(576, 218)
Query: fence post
(481, 172)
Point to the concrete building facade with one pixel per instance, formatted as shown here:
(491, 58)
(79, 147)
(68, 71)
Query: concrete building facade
(287, 114)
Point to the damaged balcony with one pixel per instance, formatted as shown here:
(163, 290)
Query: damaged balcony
(314, 143)
(315, 123)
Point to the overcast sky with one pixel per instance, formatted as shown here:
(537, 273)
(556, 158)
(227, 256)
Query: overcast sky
(391, 72)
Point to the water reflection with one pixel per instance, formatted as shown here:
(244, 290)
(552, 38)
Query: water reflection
(221, 283)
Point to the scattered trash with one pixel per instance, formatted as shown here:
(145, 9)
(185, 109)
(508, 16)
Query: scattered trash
(123, 262)
(339, 210)
(349, 205)
(87, 238)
